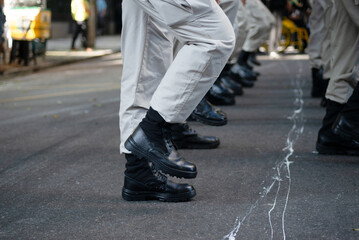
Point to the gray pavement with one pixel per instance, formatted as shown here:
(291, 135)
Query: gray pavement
(59, 53)
(61, 173)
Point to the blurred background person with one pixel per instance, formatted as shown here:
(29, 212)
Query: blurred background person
(278, 8)
(298, 12)
(259, 22)
(2, 23)
(80, 11)
(101, 15)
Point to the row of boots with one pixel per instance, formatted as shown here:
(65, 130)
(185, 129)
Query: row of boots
(232, 80)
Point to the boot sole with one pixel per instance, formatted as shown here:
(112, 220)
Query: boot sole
(335, 150)
(130, 195)
(131, 145)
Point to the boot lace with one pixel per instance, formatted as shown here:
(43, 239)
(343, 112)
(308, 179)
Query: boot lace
(160, 177)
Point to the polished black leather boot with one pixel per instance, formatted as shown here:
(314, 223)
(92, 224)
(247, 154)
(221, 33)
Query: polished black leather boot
(347, 128)
(330, 143)
(252, 58)
(156, 188)
(226, 91)
(186, 138)
(239, 79)
(233, 85)
(217, 95)
(207, 114)
(243, 59)
(333, 144)
(144, 183)
(159, 155)
(243, 75)
(347, 123)
(170, 145)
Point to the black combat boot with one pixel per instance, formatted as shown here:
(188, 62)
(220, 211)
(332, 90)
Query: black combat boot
(253, 59)
(218, 94)
(208, 114)
(186, 138)
(347, 124)
(243, 59)
(228, 82)
(330, 143)
(148, 141)
(242, 75)
(142, 184)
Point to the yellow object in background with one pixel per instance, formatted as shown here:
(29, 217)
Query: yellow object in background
(29, 23)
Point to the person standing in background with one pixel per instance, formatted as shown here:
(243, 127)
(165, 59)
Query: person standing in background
(101, 14)
(2, 23)
(80, 11)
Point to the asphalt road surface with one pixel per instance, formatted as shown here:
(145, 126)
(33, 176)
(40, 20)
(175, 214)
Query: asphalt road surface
(61, 173)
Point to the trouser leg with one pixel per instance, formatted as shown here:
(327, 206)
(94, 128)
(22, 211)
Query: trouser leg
(76, 34)
(316, 21)
(260, 22)
(208, 37)
(230, 8)
(241, 30)
(316, 38)
(326, 49)
(145, 64)
(344, 48)
(337, 137)
(275, 33)
(208, 42)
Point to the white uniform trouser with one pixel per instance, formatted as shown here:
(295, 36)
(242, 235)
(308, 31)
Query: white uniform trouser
(230, 8)
(344, 49)
(275, 32)
(241, 30)
(260, 21)
(150, 78)
(316, 22)
(326, 53)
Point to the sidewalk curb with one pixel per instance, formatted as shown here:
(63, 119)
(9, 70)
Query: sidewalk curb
(37, 68)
